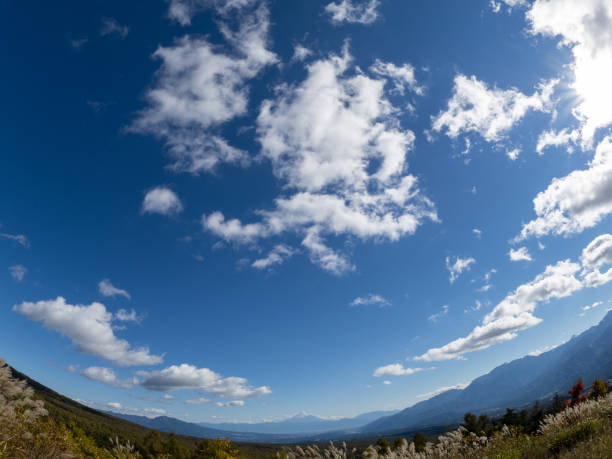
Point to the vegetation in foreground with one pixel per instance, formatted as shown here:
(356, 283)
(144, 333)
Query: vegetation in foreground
(580, 427)
(42, 424)
(34, 424)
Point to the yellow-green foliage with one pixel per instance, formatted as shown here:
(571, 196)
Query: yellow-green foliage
(582, 431)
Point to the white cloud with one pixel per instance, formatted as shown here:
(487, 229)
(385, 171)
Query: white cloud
(515, 312)
(115, 405)
(182, 11)
(584, 28)
(370, 299)
(277, 256)
(591, 306)
(476, 307)
(110, 26)
(353, 11)
(542, 350)
(431, 394)
(487, 280)
(551, 138)
(123, 315)
(458, 266)
(107, 289)
(513, 154)
(575, 202)
(78, 43)
(395, 369)
(89, 328)
(477, 233)
(387, 383)
(106, 376)
(198, 401)
(198, 88)
(488, 112)
(300, 53)
(401, 76)
(161, 200)
(231, 403)
(187, 376)
(597, 254)
(19, 238)
(18, 272)
(437, 315)
(496, 5)
(323, 137)
(520, 254)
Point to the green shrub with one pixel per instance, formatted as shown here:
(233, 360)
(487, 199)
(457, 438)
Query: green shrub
(574, 435)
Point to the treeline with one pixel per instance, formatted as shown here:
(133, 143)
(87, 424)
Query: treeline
(525, 421)
(528, 420)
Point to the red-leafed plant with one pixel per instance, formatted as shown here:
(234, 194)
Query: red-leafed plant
(576, 394)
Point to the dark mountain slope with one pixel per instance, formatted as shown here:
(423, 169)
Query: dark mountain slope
(513, 384)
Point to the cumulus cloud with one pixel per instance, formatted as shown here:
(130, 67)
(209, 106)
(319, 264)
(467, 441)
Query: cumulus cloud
(515, 312)
(277, 256)
(90, 329)
(387, 383)
(115, 405)
(107, 289)
(513, 154)
(335, 141)
(199, 87)
(489, 112)
(370, 299)
(395, 369)
(584, 28)
(187, 376)
(161, 200)
(182, 11)
(106, 376)
(300, 53)
(401, 76)
(19, 238)
(477, 233)
(575, 202)
(520, 254)
(437, 315)
(496, 5)
(18, 272)
(551, 138)
(594, 256)
(455, 268)
(230, 403)
(110, 26)
(353, 11)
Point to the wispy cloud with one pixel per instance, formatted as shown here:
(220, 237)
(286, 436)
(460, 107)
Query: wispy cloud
(458, 266)
(370, 299)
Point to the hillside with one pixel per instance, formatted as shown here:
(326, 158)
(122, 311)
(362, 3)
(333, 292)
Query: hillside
(514, 384)
(102, 426)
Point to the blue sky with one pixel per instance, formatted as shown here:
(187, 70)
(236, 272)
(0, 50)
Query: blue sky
(245, 209)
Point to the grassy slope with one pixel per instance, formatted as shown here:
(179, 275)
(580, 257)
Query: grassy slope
(101, 426)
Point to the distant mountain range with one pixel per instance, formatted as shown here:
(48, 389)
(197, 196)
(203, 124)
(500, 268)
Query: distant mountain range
(299, 428)
(302, 423)
(512, 385)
